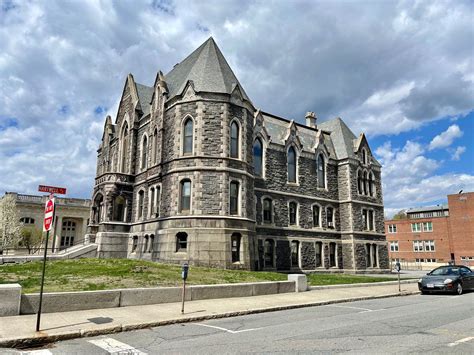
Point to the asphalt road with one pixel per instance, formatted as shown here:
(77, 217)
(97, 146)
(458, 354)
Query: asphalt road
(413, 324)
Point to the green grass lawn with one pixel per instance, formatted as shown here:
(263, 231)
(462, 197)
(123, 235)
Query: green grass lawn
(101, 274)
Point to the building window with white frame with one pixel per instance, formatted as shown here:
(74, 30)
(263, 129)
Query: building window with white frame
(369, 219)
(185, 195)
(188, 128)
(293, 213)
(392, 228)
(152, 202)
(234, 140)
(394, 246)
(316, 216)
(330, 217)
(234, 197)
(27, 220)
(417, 245)
(141, 199)
(267, 210)
(291, 165)
(416, 227)
(429, 245)
(258, 157)
(427, 226)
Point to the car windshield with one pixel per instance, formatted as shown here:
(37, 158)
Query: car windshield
(445, 271)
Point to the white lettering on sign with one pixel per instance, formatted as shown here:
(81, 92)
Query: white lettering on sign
(48, 215)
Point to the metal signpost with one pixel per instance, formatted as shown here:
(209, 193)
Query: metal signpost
(49, 213)
(184, 276)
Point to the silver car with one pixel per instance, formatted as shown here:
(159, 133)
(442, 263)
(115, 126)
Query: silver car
(451, 278)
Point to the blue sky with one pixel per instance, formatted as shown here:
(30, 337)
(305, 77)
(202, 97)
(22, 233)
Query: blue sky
(400, 71)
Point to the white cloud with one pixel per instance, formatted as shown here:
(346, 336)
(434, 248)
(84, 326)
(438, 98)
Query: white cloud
(458, 152)
(446, 138)
(60, 60)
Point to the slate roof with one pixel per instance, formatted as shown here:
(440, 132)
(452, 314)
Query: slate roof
(208, 70)
(428, 209)
(145, 94)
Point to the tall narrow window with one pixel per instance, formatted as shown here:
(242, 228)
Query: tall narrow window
(152, 241)
(234, 140)
(332, 255)
(365, 182)
(330, 217)
(316, 216)
(144, 152)
(292, 213)
(258, 157)
(124, 150)
(145, 244)
(371, 184)
(134, 243)
(360, 187)
(185, 201)
(295, 249)
(267, 210)
(268, 256)
(364, 157)
(152, 202)
(158, 200)
(119, 209)
(235, 247)
(188, 136)
(155, 146)
(234, 198)
(319, 253)
(371, 220)
(321, 172)
(291, 162)
(365, 217)
(368, 255)
(141, 198)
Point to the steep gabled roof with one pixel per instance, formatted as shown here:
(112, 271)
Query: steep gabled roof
(208, 70)
(341, 136)
(144, 97)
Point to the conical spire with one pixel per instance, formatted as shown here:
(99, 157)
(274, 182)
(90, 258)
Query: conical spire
(207, 68)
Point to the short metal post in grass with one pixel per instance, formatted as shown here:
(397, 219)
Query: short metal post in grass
(184, 276)
(398, 268)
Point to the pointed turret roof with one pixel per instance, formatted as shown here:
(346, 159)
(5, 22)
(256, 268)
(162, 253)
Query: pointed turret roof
(207, 68)
(341, 136)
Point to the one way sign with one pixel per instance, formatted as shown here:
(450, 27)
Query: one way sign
(48, 215)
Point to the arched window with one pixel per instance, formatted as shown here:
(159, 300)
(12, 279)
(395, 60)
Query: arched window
(234, 140)
(144, 151)
(181, 242)
(316, 216)
(332, 255)
(119, 209)
(292, 211)
(269, 247)
(155, 146)
(365, 182)
(258, 157)
(188, 136)
(185, 196)
(124, 148)
(364, 157)
(152, 202)
(141, 199)
(371, 184)
(360, 185)
(158, 201)
(321, 171)
(145, 244)
(234, 198)
(267, 210)
(235, 246)
(134, 243)
(291, 164)
(295, 249)
(319, 254)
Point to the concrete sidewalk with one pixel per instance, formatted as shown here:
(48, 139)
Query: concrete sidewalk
(19, 331)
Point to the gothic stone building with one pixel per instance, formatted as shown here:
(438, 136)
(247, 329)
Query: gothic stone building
(192, 171)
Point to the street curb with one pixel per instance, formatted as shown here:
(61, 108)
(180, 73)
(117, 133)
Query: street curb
(365, 284)
(42, 338)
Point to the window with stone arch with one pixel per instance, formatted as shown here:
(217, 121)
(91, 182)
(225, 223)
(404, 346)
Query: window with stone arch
(141, 206)
(371, 184)
(119, 209)
(155, 146)
(365, 182)
(267, 210)
(364, 156)
(234, 139)
(293, 213)
(144, 152)
(188, 136)
(292, 164)
(360, 183)
(124, 147)
(316, 209)
(321, 171)
(185, 195)
(234, 198)
(258, 157)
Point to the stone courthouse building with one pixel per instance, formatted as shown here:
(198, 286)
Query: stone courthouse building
(191, 171)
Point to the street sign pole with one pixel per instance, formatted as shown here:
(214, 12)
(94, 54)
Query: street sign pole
(48, 228)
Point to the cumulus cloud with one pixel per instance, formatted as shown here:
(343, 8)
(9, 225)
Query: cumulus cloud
(458, 152)
(446, 138)
(400, 64)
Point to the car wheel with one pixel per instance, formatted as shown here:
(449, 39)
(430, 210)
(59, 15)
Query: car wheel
(459, 289)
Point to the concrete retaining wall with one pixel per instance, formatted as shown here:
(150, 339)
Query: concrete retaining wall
(79, 251)
(73, 301)
(10, 295)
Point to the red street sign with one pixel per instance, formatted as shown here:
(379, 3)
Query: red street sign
(48, 215)
(52, 189)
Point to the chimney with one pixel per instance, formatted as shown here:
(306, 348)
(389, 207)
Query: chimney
(311, 119)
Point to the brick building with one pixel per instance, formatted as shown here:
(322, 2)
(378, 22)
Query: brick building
(192, 171)
(436, 234)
